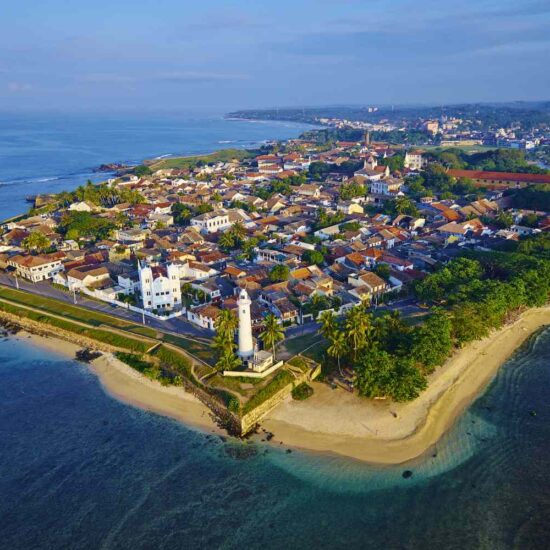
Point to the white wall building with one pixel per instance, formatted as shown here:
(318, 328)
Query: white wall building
(414, 160)
(160, 286)
(37, 268)
(210, 222)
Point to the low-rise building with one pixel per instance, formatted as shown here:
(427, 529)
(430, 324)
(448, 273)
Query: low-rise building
(37, 268)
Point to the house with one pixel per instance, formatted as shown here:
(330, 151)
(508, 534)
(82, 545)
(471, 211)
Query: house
(366, 285)
(500, 180)
(82, 206)
(211, 222)
(385, 187)
(309, 190)
(414, 160)
(349, 207)
(86, 276)
(204, 316)
(37, 268)
(195, 271)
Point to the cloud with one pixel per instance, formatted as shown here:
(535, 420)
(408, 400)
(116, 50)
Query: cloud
(191, 76)
(106, 78)
(19, 87)
(184, 77)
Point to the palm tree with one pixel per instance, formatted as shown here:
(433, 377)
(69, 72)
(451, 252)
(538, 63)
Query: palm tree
(226, 324)
(272, 333)
(338, 346)
(329, 325)
(239, 231)
(358, 324)
(227, 360)
(36, 241)
(226, 241)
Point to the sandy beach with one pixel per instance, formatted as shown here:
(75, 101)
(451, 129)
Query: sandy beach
(336, 421)
(339, 422)
(129, 386)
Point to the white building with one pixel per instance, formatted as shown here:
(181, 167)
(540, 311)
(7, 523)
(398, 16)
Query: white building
(385, 187)
(160, 286)
(414, 160)
(246, 343)
(211, 222)
(37, 268)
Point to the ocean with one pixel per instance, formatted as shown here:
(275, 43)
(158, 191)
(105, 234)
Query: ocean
(79, 469)
(48, 153)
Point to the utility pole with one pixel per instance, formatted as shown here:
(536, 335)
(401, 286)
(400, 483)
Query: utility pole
(143, 316)
(16, 281)
(74, 295)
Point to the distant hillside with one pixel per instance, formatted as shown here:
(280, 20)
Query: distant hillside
(530, 114)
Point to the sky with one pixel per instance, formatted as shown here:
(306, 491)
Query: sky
(231, 54)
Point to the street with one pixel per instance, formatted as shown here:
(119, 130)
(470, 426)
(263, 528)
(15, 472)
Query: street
(179, 325)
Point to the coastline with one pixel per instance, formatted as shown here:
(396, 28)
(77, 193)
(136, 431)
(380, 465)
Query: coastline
(337, 422)
(129, 386)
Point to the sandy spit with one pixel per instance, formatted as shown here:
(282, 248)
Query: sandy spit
(336, 421)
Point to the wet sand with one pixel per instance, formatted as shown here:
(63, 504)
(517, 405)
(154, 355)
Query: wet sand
(339, 422)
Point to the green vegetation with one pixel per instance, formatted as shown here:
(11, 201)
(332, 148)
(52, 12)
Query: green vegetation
(100, 194)
(279, 272)
(493, 160)
(142, 170)
(279, 381)
(36, 242)
(148, 369)
(534, 197)
(113, 339)
(470, 296)
(352, 190)
(324, 219)
(189, 163)
(302, 392)
(272, 333)
(75, 225)
(173, 360)
(224, 342)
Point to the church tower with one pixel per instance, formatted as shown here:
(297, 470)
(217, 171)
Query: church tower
(246, 344)
(145, 284)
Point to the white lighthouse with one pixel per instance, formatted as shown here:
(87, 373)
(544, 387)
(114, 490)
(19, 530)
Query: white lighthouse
(246, 344)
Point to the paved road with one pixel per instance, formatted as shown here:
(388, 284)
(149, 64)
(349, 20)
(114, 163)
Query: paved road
(177, 326)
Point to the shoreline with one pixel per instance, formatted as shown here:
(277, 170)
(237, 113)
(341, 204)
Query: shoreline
(334, 421)
(129, 386)
(340, 423)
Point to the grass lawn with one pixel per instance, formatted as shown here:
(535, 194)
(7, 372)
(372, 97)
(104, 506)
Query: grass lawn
(224, 155)
(202, 351)
(299, 343)
(104, 336)
(76, 313)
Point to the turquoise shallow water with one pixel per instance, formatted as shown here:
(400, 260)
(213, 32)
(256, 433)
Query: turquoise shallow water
(78, 469)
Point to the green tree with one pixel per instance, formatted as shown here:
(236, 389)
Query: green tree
(329, 324)
(431, 342)
(279, 272)
(36, 242)
(142, 171)
(338, 346)
(313, 257)
(272, 333)
(226, 241)
(357, 327)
